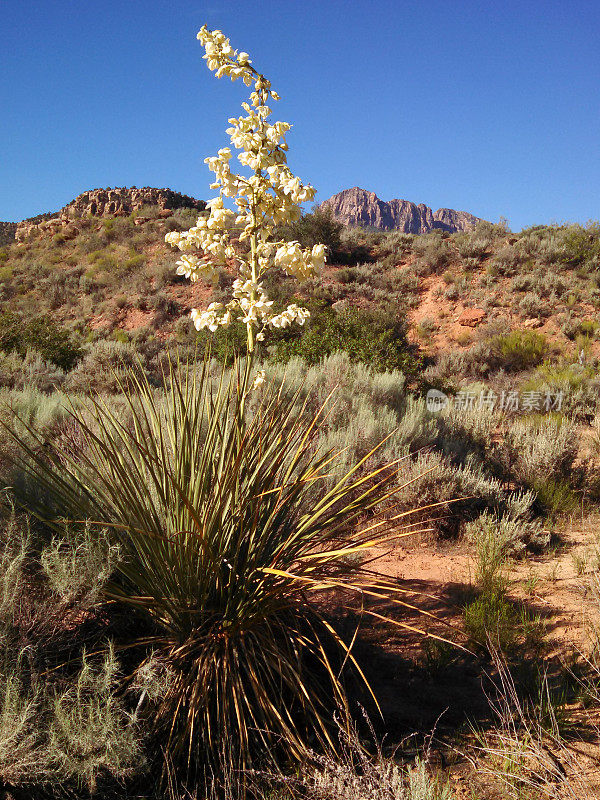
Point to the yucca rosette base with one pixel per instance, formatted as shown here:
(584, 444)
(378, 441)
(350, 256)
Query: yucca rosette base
(228, 539)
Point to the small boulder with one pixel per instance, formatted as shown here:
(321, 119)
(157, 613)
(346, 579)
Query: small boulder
(471, 317)
(533, 322)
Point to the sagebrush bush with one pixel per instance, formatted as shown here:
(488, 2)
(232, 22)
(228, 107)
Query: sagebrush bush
(355, 775)
(79, 563)
(61, 739)
(543, 448)
(454, 494)
(102, 367)
(31, 371)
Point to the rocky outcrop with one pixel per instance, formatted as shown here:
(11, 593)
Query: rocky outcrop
(120, 202)
(106, 203)
(7, 232)
(357, 207)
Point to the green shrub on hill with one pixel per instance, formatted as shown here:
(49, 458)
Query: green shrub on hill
(519, 350)
(377, 337)
(316, 228)
(41, 334)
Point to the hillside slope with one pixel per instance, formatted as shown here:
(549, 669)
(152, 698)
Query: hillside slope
(114, 277)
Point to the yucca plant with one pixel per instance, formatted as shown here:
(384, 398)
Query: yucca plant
(228, 544)
(229, 534)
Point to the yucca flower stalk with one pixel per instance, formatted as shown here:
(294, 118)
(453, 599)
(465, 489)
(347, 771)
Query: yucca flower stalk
(267, 196)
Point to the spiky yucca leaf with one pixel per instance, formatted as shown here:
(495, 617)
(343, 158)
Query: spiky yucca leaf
(226, 543)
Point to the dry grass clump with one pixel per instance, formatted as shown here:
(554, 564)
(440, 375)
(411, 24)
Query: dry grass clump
(354, 774)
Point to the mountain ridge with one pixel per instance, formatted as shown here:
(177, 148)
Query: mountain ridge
(358, 207)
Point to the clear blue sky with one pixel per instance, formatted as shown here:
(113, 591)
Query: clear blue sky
(488, 107)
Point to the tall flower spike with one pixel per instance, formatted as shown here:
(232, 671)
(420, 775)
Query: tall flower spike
(268, 196)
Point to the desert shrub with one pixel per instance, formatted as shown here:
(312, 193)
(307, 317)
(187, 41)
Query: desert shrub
(581, 244)
(318, 227)
(41, 412)
(394, 246)
(542, 449)
(134, 262)
(492, 231)
(433, 251)
(532, 305)
(452, 292)
(39, 374)
(78, 564)
(550, 250)
(14, 537)
(346, 275)
(506, 259)
(374, 275)
(471, 247)
(354, 774)
(63, 739)
(450, 366)
(182, 219)
(497, 538)
(466, 432)
(366, 407)
(576, 327)
(102, 367)
(161, 273)
(576, 385)
(522, 283)
(519, 350)
(351, 382)
(426, 328)
(40, 334)
(455, 493)
(406, 282)
(359, 244)
(31, 371)
(377, 337)
(164, 309)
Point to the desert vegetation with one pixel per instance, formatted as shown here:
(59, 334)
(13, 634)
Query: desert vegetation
(337, 539)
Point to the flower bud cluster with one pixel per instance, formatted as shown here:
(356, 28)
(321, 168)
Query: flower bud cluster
(268, 196)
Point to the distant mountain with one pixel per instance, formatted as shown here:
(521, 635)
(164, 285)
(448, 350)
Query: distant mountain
(357, 207)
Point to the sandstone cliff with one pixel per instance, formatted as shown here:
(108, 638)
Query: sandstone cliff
(357, 207)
